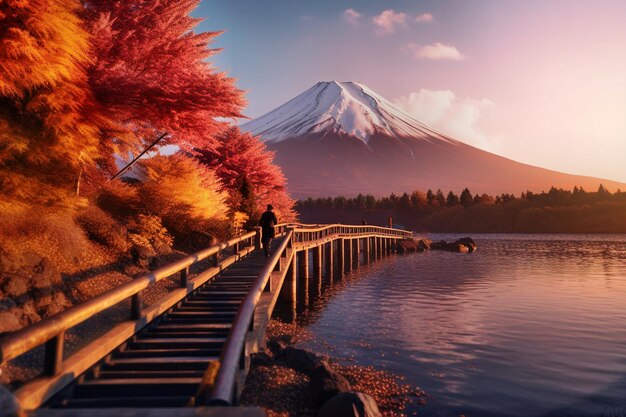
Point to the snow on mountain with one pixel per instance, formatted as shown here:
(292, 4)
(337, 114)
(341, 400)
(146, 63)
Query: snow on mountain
(341, 138)
(341, 107)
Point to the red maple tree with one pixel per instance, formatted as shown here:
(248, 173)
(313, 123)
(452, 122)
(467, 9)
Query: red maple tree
(150, 73)
(246, 168)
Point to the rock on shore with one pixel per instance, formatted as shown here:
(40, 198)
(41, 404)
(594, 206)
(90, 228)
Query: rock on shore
(283, 381)
(463, 245)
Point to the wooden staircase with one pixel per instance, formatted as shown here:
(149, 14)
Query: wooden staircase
(164, 364)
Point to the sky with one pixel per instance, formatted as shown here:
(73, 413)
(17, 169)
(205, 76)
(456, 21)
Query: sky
(538, 81)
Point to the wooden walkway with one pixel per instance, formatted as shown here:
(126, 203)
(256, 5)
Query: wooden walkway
(192, 348)
(164, 364)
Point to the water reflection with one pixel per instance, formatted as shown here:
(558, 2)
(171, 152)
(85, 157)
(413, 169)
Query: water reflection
(526, 326)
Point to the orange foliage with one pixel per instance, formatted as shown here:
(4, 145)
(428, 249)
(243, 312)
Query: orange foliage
(181, 190)
(48, 119)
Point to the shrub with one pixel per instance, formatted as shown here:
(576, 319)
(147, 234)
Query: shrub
(53, 234)
(148, 231)
(103, 229)
(186, 195)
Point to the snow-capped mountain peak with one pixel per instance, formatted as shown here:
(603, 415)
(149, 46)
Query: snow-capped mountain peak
(340, 107)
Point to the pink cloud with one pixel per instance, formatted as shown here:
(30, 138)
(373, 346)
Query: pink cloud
(388, 21)
(352, 16)
(425, 18)
(459, 117)
(436, 51)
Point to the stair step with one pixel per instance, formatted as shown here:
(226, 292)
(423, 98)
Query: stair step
(131, 387)
(187, 334)
(221, 293)
(201, 314)
(194, 327)
(115, 374)
(135, 352)
(214, 307)
(161, 363)
(199, 320)
(177, 343)
(139, 402)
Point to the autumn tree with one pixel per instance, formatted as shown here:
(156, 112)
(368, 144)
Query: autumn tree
(48, 118)
(150, 71)
(185, 194)
(246, 168)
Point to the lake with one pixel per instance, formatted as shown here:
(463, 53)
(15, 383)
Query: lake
(528, 325)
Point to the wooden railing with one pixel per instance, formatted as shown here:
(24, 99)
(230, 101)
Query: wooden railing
(298, 237)
(58, 372)
(234, 349)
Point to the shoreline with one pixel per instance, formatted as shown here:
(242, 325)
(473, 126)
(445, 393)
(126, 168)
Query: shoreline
(274, 385)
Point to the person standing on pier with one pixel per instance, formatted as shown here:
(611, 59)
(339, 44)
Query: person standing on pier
(267, 222)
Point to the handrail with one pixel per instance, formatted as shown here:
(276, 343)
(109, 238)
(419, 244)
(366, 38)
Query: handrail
(224, 386)
(223, 391)
(24, 340)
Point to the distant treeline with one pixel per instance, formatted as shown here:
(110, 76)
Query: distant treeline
(555, 211)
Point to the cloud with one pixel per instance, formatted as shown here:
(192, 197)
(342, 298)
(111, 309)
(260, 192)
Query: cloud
(388, 21)
(436, 51)
(425, 18)
(352, 16)
(454, 116)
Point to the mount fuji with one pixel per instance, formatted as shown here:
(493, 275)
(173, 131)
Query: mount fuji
(342, 138)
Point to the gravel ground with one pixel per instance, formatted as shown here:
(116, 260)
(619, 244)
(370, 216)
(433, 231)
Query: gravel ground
(85, 285)
(282, 391)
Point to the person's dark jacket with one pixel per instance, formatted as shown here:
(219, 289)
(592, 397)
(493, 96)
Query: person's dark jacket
(267, 222)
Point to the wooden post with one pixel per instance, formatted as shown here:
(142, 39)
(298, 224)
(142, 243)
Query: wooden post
(184, 277)
(303, 275)
(330, 261)
(366, 251)
(288, 291)
(375, 249)
(136, 304)
(257, 238)
(341, 258)
(53, 359)
(384, 245)
(317, 270)
(357, 252)
(349, 257)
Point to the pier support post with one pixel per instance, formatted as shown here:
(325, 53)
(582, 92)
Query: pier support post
(341, 258)
(303, 275)
(357, 252)
(366, 251)
(375, 248)
(289, 290)
(330, 261)
(349, 250)
(317, 271)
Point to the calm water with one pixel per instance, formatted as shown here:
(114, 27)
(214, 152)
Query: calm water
(528, 325)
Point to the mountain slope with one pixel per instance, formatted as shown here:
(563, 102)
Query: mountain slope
(344, 139)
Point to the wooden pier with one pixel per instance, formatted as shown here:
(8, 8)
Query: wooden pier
(192, 347)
